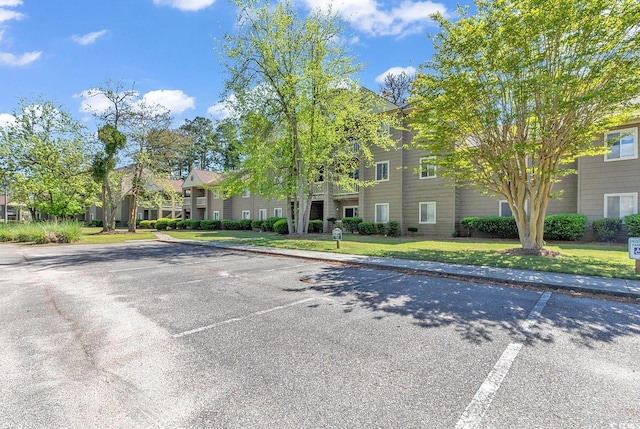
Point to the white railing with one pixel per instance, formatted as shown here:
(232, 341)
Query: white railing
(341, 191)
(187, 202)
(201, 201)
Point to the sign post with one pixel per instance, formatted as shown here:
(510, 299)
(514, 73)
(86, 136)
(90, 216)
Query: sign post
(634, 251)
(337, 235)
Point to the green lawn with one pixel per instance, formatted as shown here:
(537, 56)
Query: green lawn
(586, 259)
(92, 236)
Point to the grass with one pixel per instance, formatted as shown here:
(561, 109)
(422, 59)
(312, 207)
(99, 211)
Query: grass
(582, 259)
(91, 235)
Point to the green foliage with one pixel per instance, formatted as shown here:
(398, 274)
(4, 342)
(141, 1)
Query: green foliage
(381, 228)
(366, 228)
(173, 223)
(281, 227)
(526, 85)
(607, 229)
(633, 225)
(393, 229)
(245, 224)
(298, 107)
(96, 223)
(351, 223)
(210, 225)
(565, 227)
(412, 229)
(162, 225)
(148, 224)
(256, 224)
(181, 224)
(267, 225)
(494, 226)
(41, 232)
(315, 226)
(232, 225)
(192, 223)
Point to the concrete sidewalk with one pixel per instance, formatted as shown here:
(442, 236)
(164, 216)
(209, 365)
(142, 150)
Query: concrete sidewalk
(567, 282)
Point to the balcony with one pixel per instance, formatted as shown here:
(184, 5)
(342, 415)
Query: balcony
(338, 191)
(187, 202)
(201, 201)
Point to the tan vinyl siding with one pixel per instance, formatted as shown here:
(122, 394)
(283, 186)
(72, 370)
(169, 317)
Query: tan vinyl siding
(597, 178)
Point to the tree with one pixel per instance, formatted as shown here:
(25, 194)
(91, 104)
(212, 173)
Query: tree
(202, 148)
(119, 103)
(290, 79)
(396, 87)
(522, 89)
(45, 158)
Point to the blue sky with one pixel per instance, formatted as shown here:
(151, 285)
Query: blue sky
(60, 49)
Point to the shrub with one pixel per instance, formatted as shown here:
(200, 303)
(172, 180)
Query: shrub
(245, 224)
(281, 226)
(351, 223)
(256, 224)
(162, 225)
(393, 228)
(366, 228)
(315, 226)
(633, 225)
(497, 226)
(96, 222)
(173, 223)
(210, 225)
(412, 229)
(332, 220)
(564, 227)
(181, 224)
(607, 229)
(231, 225)
(192, 223)
(267, 225)
(147, 224)
(381, 228)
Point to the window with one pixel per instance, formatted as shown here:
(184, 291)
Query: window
(622, 144)
(620, 205)
(382, 171)
(246, 214)
(277, 212)
(382, 213)
(246, 193)
(504, 209)
(427, 168)
(216, 215)
(427, 212)
(351, 211)
(262, 214)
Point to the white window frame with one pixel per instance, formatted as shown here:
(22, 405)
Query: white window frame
(426, 205)
(501, 202)
(246, 193)
(633, 132)
(216, 215)
(277, 212)
(262, 214)
(356, 210)
(375, 212)
(424, 162)
(376, 172)
(634, 195)
(246, 214)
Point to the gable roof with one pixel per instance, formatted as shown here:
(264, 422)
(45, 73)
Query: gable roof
(201, 177)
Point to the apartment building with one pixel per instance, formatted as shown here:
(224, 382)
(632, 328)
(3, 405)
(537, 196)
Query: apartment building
(408, 189)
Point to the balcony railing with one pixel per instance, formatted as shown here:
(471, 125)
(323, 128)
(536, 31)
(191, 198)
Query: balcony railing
(201, 201)
(318, 188)
(341, 191)
(187, 202)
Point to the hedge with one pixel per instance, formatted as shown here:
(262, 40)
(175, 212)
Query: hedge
(366, 228)
(502, 227)
(568, 227)
(393, 228)
(281, 226)
(146, 224)
(633, 225)
(245, 224)
(210, 225)
(257, 224)
(231, 225)
(607, 229)
(267, 224)
(162, 225)
(351, 223)
(315, 226)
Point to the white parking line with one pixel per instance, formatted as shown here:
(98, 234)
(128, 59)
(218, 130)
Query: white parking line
(239, 319)
(476, 410)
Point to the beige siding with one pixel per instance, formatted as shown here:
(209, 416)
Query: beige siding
(597, 178)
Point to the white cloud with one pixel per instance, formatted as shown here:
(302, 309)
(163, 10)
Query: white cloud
(93, 101)
(8, 15)
(186, 5)
(369, 16)
(409, 71)
(175, 101)
(223, 109)
(88, 38)
(12, 60)
(7, 119)
(10, 3)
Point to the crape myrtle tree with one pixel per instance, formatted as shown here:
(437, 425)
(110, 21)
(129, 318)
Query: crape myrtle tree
(295, 108)
(523, 88)
(45, 157)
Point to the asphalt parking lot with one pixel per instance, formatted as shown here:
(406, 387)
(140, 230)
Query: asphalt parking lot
(157, 335)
